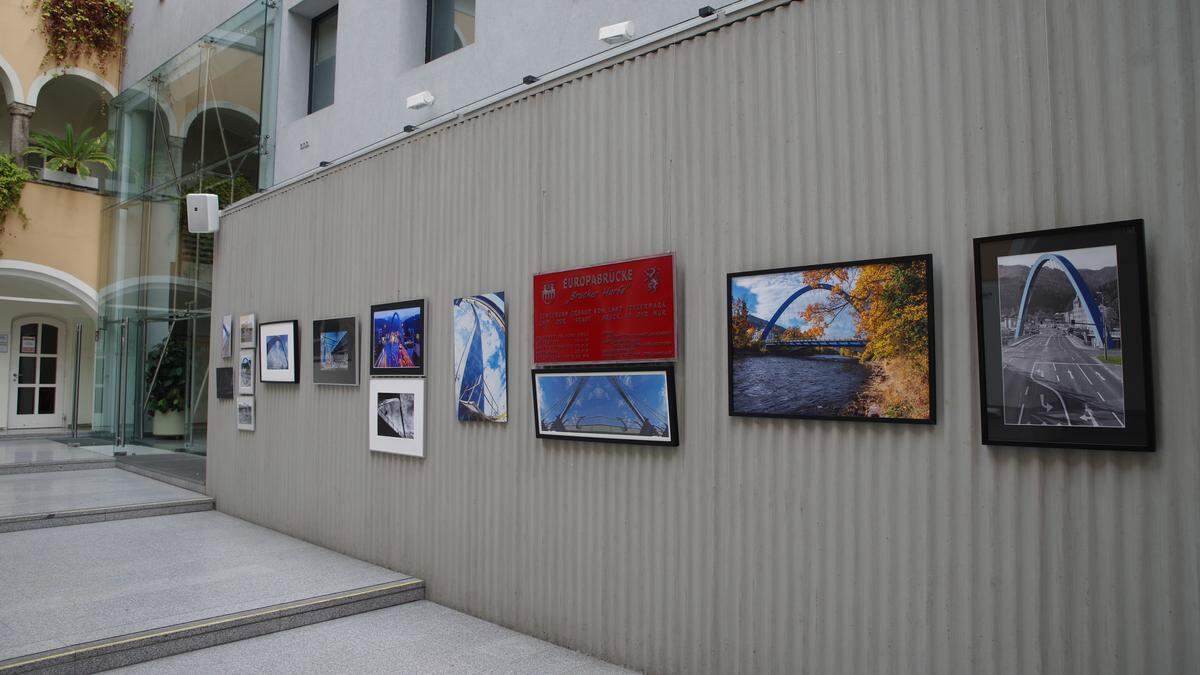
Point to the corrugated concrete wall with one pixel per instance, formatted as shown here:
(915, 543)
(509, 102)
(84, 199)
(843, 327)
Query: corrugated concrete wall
(820, 131)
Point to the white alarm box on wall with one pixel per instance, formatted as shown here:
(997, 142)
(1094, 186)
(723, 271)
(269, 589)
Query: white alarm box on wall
(203, 213)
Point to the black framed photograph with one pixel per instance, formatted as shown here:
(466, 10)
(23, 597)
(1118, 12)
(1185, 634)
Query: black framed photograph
(1064, 338)
(609, 404)
(398, 338)
(277, 351)
(835, 341)
(224, 383)
(335, 354)
(245, 413)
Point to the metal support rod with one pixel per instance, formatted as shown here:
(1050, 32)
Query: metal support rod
(75, 395)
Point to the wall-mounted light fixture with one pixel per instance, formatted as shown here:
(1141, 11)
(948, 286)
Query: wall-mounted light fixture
(422, 99)
(617, 33)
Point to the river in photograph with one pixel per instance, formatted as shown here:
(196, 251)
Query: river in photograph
(795, 385)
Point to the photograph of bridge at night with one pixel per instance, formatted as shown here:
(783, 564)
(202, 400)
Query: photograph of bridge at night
(1060, 325)
(397, 338)
(846, 341)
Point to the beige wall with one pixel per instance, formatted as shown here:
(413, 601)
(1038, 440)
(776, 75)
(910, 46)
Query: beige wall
(24, 48)
(63, 233)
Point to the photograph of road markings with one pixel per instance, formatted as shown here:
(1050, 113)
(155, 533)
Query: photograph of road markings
(1061, 335)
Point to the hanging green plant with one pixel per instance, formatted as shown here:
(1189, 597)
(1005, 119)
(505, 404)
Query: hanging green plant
(12, 182)
(76, 29)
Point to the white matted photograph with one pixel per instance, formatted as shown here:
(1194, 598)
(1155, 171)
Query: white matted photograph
(246, 324)
(277, 347)
(246, 372)
(397, 416)
(245, 413)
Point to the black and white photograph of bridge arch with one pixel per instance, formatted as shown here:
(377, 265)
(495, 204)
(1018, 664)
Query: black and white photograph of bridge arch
(1060, 336)
(843, 341)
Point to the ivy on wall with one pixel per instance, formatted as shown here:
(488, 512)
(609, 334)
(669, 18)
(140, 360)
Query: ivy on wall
(12, 182)
(76, 29)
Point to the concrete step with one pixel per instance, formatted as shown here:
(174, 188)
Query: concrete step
(53, 499)
(147, 645)
(102, 595)
(84, 464)
(38, 455)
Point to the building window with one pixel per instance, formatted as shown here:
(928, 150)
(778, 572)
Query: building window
(450, 26)
(321, 64)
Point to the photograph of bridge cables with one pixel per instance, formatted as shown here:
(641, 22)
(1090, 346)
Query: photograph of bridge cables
(842, 341)
(481, 358)
(611, 404)
(1063, 337)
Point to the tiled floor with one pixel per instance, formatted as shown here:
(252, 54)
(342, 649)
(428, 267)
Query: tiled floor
(418, 637)
(57, 491)
(66, 585)
(30, 450)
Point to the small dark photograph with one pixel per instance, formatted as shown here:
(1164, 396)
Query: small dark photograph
(395, 415)
(335, 358)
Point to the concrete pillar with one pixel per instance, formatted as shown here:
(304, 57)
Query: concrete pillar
(20, 114)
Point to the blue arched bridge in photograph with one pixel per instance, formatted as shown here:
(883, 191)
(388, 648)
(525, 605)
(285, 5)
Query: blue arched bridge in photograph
(1082, 292)
(848, 343)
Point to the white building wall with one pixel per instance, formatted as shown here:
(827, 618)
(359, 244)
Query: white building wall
(381, 59)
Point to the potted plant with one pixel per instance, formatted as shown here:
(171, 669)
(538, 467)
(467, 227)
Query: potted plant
(166, 380)
(69, 159)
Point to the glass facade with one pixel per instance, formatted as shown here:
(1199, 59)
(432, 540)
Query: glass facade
(200, 122)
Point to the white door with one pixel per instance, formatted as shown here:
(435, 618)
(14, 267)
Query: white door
(36, 351)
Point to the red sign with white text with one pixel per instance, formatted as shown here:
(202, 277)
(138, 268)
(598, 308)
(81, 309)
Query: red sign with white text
(622, 311)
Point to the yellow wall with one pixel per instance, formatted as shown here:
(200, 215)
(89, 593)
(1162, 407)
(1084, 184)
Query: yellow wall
(24, 48)
(64, 231)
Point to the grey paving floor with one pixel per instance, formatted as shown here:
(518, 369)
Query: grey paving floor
(61, 586)
(25, 493)
(419, 637)
(28, 450)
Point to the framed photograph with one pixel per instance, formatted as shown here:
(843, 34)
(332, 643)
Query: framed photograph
(226, 336)
(610, 404)
(398, 338)
(225, 383)
(397, 416)
(1064, 338)
(246, 372)
(245, 413)
(839, 341)
(335, 352)
(277, 344)
(481, 358)
(246, 325)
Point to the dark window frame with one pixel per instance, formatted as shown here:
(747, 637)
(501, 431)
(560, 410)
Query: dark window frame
(429, 35)
(312, 55)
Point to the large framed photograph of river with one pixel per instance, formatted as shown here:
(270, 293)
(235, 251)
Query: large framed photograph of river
(841, 341)
(1064, 338)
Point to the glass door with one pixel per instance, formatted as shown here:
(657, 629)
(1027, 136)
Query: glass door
(38, 400)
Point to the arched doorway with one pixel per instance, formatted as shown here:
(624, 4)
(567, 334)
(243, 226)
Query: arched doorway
(78, 99)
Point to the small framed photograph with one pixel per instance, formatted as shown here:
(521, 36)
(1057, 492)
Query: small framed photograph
(1064, 338)
(335, 352)
(245, 413)
(398, 338)
(397, 416)
(225, 383)
(246, 325)
(836, 341)
(609, 404)
(481, 358)
(246, 372)
(226, 336)
(277, 346)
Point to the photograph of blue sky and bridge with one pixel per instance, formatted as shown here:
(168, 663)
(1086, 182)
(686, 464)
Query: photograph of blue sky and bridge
(834, 342)
(1060, 330)
(481, 358)
(605, 405)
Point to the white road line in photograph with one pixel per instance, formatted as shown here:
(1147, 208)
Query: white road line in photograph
(1089, 380)
(1021, 413)
(1118, 418)
(1063, 401)
(1100, 395)
(1071, 374)
(1099, 373)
